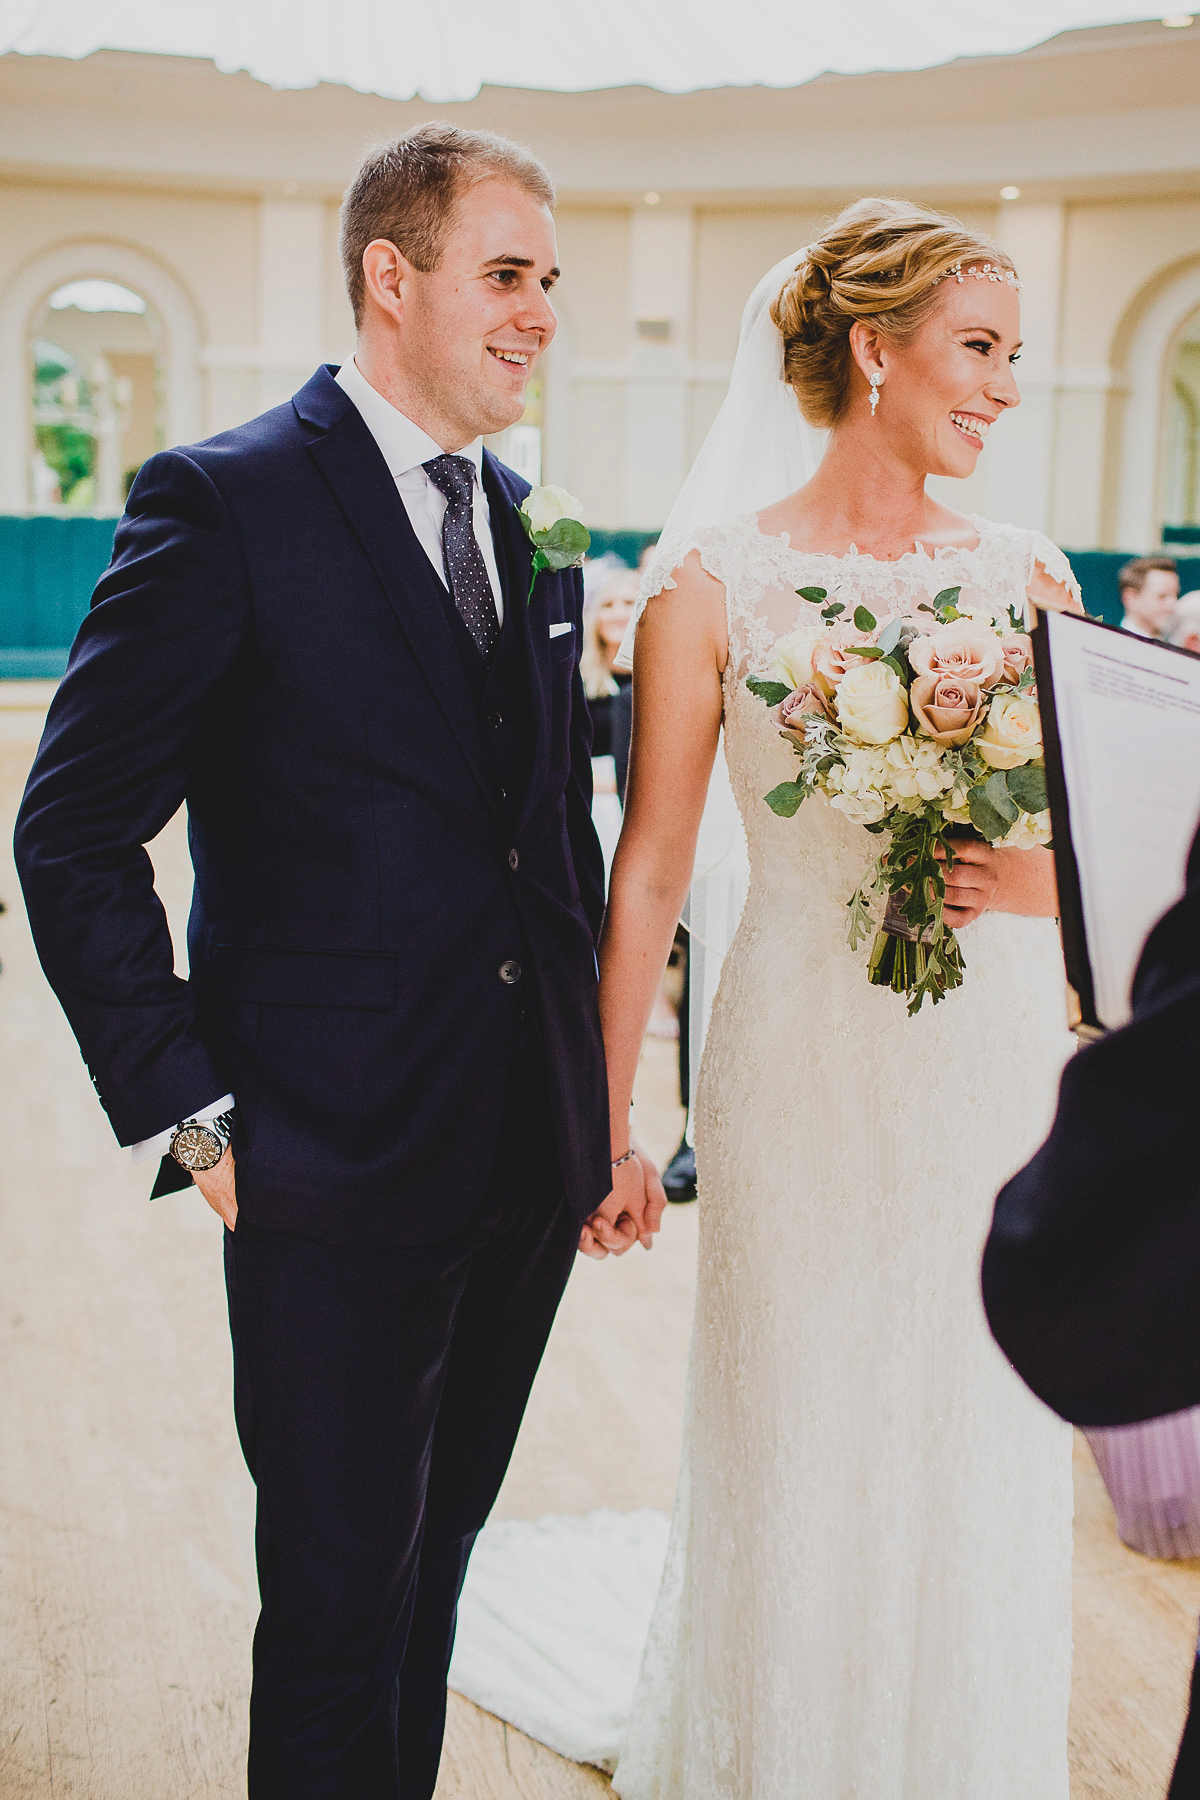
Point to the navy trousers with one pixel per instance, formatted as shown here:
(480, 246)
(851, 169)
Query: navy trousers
(378, 1394)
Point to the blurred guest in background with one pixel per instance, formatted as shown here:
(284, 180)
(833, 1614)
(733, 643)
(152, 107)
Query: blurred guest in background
(1092, 1269)
(1149, 590)
(1184, 628)
(606, 615)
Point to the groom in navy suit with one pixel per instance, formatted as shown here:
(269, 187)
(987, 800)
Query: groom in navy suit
(385, 1072)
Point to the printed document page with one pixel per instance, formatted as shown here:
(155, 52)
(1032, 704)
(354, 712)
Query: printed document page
(1128, 713)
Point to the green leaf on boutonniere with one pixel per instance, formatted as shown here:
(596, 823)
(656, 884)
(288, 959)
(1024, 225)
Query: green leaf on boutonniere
(864, 620)
(829, 613)
(813, 593)
(785, 799)
(771, 693)
(870, 651)
(563, 544)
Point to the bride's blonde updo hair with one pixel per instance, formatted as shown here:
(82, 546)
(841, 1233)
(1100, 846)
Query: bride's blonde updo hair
(880, 261)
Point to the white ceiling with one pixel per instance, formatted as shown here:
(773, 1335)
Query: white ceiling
(444, 50)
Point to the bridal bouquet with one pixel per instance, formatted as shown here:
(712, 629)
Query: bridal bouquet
(922, 729)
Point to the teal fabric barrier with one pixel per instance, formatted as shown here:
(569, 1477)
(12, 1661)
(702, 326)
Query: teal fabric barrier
(48, 568)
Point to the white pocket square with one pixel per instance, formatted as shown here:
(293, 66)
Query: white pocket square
(563, 625)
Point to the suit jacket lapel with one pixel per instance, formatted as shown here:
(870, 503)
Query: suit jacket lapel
(514, 555)
(349, 459)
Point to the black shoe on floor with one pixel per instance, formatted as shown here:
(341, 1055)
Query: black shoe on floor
(679, 1176)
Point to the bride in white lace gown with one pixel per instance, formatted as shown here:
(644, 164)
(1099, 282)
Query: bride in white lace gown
(867, 1594)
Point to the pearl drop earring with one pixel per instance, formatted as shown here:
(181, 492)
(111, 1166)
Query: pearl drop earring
(876, 381)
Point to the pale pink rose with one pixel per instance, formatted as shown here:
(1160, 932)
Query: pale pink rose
(831, 656)
(1018, 655)
(805, 703)
(946, 707)
(963, 648)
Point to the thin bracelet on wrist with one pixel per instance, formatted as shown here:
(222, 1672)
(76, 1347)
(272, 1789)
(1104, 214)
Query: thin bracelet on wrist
(618, 1161)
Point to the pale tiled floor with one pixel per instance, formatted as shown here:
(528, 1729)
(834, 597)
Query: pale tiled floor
(126, 1579)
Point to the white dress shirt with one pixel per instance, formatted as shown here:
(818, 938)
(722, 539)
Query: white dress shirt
(405, 447)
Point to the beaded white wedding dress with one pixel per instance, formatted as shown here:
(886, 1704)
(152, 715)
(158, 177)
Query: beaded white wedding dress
(867, 1590)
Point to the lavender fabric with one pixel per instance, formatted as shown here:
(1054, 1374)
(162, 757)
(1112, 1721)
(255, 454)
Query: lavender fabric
(1152, 1473)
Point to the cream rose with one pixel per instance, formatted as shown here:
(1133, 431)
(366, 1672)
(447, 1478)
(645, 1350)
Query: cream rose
(963, 648)
(1018, 655)
(794, 655)
(1012, 734)
(871, 703)
(545, 506)
(946, 707)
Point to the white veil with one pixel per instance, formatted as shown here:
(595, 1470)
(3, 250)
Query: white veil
(758, 450)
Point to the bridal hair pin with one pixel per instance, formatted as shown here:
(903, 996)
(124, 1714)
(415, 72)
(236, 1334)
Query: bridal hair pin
(981, 271)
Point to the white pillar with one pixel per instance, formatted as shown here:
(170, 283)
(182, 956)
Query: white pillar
(1020, 466)
(291, 246)
(655, 448)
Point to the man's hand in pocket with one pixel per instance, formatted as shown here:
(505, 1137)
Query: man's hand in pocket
(218, 1187)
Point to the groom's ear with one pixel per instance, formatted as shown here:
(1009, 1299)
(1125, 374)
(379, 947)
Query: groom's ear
(387, 273)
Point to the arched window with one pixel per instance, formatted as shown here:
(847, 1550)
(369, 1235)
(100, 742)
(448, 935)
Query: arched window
(96, 367)
(1181, 485)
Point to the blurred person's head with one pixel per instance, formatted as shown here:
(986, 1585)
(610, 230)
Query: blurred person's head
(598, 571)
(925, 309)
(605, 619)
(1184, 626)
(447, 241)
(1149, 591)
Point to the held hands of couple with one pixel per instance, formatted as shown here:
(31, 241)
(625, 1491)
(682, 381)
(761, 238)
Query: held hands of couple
(631, 1215)
(219, 1189)
(985, 879)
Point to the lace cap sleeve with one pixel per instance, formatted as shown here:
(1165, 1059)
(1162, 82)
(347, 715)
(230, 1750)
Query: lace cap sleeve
(1047, 556)
(671, 550)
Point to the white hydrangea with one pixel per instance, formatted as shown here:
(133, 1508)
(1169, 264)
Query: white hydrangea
(1030, 831)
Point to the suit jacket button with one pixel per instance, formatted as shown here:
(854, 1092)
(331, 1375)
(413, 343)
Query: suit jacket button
(513, 860)
(510, 973)
(495, 719)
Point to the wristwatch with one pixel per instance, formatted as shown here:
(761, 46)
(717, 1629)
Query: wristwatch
(197, 1147)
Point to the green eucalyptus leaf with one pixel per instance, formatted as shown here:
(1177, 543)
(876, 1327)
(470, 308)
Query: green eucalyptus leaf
(869, 651)
(984, 817)
(902, 669)
(948, 596)
(864, 620)
(771, 693)
(1027, 785)
(996, 789)
(889, 637)
(813, 593)
(833, 609)
(785, 799)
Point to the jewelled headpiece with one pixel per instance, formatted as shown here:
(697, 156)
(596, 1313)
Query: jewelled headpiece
(981, 271)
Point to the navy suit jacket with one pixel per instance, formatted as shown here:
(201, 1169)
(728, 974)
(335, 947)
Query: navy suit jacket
(1091, 1276)
(270, 643)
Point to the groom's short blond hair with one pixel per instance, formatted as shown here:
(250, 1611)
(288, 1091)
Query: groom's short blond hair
(406, 191)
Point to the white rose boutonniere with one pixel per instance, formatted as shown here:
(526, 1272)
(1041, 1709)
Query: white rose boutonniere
(549, 515)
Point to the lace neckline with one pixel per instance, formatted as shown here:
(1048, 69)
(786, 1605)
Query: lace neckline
(854, 554)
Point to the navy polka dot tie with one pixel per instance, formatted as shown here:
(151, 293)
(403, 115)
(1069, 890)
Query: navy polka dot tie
(466, 570)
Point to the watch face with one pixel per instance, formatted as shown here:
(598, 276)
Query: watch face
(196, 1147)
